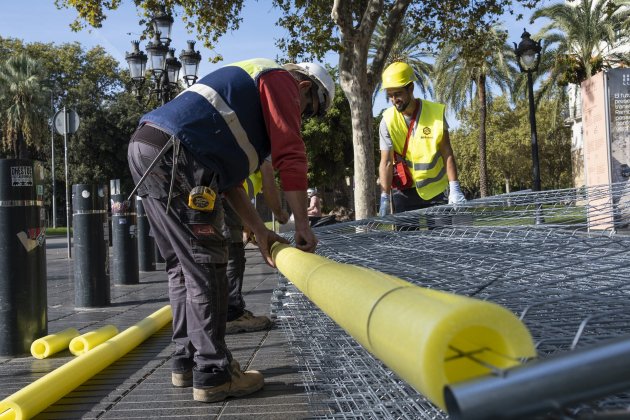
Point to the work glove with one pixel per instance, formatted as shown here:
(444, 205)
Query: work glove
(455, 195)
(385, 207)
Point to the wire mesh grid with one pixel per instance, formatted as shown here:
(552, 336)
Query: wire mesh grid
(560, 260)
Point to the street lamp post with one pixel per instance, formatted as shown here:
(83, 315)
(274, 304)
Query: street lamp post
(528, 57)
(160, 62)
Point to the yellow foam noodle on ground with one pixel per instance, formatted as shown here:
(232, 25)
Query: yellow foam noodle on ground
(427, 337)
(53, 343)
(89, 340)
(35, 397)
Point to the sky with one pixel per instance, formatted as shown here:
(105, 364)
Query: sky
(41, 21)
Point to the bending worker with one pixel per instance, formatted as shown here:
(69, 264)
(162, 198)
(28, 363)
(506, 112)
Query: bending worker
(204, 143)
(414, 132)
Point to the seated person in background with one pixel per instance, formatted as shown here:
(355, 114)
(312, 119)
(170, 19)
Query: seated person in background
(314, 209)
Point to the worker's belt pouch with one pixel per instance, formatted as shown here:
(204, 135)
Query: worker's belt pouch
(402, 176)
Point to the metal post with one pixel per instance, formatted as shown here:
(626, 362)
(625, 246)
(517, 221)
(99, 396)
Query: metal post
(540, 386)
(538, 217)
(52, 170)
(532, 123)
(65, 152)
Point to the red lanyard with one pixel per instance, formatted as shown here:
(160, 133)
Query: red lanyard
(410, 130)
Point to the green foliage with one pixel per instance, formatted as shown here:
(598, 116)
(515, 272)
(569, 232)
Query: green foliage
(509, 147)
(465, 66)
(91, 83)
(577, 35)
(410, 48)
(315, 27)
(210, 18)
(22, 99)
(329, 149)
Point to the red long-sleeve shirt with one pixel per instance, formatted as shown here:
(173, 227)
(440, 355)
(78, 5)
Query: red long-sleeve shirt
(280, 99)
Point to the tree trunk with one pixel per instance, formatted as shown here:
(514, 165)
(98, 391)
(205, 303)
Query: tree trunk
(483, 165)
(15, 146)
(353, 79)
(507, 185)
(360, 100)
(358, 84)
(22, 149)
(364, 170)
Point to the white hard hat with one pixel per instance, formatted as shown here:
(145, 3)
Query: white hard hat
(321, 77)
(311, 191)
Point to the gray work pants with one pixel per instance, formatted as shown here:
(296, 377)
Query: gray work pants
(236, 262)
(195, 252)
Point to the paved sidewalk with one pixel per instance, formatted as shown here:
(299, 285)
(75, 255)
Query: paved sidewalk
(138, 385)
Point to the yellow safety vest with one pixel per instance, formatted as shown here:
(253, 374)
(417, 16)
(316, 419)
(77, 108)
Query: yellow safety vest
(423, 152)
(255, 66)
(253, 184)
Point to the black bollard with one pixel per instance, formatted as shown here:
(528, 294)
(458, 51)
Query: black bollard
(146, 243)
(91, 245)
(23, 298)
(124, 241)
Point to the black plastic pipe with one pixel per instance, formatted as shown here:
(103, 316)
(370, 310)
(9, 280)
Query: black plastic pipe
(542, 386)
(91, 245)
(146, 244)
(23, 298)
(124, 241)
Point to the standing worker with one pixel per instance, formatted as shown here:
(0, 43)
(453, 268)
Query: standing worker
(240, 319)
(414, 133)
(203, 143)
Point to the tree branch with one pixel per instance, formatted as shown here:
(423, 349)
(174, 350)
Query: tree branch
(342, 17)
(392, 29)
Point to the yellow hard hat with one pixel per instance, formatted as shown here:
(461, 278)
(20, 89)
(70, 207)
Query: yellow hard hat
(398, 75)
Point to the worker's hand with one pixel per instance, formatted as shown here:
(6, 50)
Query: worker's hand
(385, 205)
(247, 235)
(264, 239)
(305, 239)
(455, 196)
(281, 216)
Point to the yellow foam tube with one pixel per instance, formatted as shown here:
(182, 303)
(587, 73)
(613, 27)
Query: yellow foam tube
(418, 333)
(89, 340)
(35, 397)
(53, 343)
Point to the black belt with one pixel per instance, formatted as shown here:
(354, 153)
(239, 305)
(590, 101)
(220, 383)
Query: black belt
(149, 134)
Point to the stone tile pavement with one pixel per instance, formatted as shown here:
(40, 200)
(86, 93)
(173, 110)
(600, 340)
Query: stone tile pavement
(138, 384)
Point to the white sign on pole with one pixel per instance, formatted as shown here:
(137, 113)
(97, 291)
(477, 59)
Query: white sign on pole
(71, 123)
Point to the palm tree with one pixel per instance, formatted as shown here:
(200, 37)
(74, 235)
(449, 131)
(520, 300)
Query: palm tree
(409, 47)
(475, 63)
(24, 97)
(584, 37)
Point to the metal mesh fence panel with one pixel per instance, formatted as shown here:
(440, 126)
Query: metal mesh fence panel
(560, 260)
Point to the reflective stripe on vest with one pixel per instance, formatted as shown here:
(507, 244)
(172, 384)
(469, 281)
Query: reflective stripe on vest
(423, 153)
(219, 120)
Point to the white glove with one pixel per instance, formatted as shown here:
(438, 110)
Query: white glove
(455, 195)
(384, 207)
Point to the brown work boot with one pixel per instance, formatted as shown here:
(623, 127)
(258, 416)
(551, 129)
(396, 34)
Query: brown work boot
(240, 384)
(182, 380)
(247, 323)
